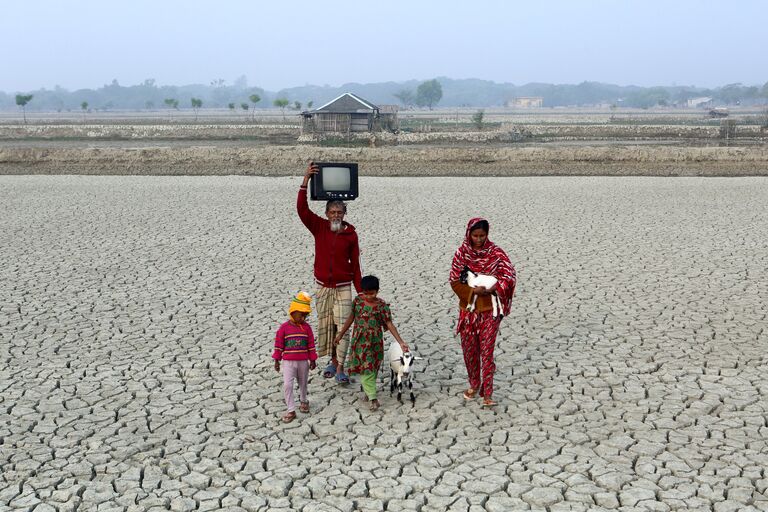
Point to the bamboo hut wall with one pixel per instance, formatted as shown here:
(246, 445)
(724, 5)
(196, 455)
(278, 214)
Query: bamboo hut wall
(333, 122)
(360, 123)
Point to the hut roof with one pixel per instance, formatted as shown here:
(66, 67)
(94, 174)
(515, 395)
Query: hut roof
(347, 103)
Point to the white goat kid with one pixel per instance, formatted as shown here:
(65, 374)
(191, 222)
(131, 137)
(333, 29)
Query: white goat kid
(471, 279)
(400, 367)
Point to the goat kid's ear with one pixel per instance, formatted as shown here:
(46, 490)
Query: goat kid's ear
(401, 360)
(416, 358)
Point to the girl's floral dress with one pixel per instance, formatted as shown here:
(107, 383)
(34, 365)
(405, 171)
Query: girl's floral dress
(367, 350)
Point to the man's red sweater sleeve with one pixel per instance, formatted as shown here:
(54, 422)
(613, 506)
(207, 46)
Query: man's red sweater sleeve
(307, 216)
(356, 265)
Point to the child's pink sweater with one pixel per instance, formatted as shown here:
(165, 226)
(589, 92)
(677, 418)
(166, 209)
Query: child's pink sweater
(294, 343)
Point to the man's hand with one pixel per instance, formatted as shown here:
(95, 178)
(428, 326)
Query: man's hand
(312, 365)
(277, 366)
(312, 169)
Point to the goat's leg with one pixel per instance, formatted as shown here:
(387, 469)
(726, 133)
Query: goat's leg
(410, 387)
(391, 381)
(471, 304)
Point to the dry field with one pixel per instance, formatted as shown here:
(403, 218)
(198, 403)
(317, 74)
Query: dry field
(138, 313)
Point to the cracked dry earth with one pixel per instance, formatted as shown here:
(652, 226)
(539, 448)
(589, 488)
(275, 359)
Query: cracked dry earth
(137, 316)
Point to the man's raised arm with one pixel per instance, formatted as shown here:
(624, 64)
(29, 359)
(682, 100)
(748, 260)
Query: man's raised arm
(307, 216)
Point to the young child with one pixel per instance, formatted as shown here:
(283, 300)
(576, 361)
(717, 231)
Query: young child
(295, 346)
(371, 317)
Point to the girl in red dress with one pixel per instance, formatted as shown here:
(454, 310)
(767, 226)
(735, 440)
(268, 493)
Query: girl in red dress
(371, 316)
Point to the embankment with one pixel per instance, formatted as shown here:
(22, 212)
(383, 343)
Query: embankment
(512, 160)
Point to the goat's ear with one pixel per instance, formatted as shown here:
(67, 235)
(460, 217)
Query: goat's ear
(401, 360)
(416, 358)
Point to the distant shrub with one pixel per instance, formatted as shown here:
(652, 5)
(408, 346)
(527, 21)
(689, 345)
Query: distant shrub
(727, 128)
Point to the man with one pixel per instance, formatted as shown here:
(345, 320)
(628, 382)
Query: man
(337, 268)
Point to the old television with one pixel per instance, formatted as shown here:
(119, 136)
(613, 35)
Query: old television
(334, 181)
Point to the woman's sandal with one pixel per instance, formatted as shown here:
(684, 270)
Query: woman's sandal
(329, 371)
(470, 394)
(342, 378)
(374, 405)
(487, 402)
(289, 417)
(304, 407)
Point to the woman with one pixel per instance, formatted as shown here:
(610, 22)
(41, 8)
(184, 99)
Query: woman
(478, 329)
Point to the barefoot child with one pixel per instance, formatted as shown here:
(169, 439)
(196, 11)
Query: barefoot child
(295, 346)
(371, 317)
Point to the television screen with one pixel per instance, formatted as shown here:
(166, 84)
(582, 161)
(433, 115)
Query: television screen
(336, 179)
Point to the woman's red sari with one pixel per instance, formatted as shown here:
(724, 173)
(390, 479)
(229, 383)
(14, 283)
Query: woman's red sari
(490, 260)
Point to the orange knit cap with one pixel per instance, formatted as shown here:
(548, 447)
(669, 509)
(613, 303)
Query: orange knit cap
(300, 303)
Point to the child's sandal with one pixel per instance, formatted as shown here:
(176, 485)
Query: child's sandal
(289, 417)
(304, 407)
(487, 402)
(374, 405)
(470, 394)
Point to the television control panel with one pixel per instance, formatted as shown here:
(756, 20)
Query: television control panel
(340, 195)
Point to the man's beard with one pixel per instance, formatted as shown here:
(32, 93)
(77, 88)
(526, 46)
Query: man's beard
(335, 225)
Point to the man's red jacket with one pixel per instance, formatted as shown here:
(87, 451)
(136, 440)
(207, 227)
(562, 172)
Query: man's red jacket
(337, 255)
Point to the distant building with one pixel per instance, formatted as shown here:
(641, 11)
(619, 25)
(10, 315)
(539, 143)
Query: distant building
(703, 101)
(526, 102)
(349, 113)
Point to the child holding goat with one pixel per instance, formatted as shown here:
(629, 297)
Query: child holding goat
(371, 316)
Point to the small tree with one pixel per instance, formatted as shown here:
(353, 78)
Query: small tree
(405, 96)
(281, 103)
(231, 107)
(477, 119)
(296, 105)
(22, 100)
(727, 128)
(764, 119)
(309, 104)
(245, 107)
(84, 107)
(429, 94)
(196, 104)
(255, 98)
(171, 103)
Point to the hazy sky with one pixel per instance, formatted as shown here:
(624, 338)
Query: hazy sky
(87, 43)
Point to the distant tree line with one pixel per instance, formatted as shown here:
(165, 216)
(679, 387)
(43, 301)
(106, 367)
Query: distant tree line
(443, 92)
(149, 96)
